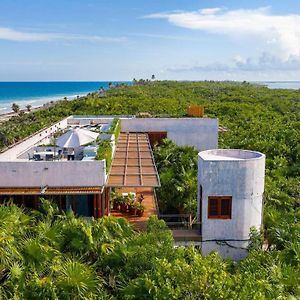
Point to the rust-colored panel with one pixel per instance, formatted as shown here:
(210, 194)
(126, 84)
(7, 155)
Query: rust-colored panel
(195, 111)
(156, 137)
(150, 180)
(149, 169)
(133, 160)
(133, 180)
(133, 170)
(117, 170)
(146, 155)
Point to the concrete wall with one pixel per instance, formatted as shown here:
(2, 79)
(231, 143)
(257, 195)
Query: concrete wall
(241, 178)
(52, 173)
(100, 119)
(40, 138)
(201, 133)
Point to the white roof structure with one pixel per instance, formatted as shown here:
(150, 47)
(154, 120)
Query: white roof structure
(76, 137)
(229, 154)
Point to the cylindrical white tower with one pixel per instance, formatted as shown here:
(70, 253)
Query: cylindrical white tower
(230, 199)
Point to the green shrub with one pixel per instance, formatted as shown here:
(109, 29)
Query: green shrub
(105, 152)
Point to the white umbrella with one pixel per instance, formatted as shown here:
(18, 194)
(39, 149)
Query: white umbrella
(76, 137)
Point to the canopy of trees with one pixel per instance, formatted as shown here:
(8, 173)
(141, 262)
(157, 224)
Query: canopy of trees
(52, 255)
(177, 168)
(257, 118)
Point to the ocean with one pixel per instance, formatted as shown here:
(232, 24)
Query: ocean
(293, 85)
(38, 93)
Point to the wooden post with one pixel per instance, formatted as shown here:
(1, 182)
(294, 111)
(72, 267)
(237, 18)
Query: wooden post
(95, 206)
(103, 199)
(36, 203)
(107, 201)
(99, 213)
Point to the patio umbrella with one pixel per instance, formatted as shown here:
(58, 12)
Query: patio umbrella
(76, 137)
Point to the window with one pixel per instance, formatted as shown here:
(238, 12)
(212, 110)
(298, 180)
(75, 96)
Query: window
(219, 207)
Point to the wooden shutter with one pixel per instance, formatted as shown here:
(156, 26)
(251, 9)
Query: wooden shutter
(219, 207)
(213, 207)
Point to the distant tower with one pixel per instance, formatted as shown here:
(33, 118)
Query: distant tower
(230, 199)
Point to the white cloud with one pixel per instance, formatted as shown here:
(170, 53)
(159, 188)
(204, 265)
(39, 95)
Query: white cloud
(10, 34)
(165, 37)
(281, 32)
(13, 35)
(265, 63)
(210, 11)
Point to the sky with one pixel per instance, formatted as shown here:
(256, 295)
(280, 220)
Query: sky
(102, 40)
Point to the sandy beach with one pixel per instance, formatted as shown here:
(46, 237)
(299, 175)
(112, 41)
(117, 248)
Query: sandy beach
(6, 116)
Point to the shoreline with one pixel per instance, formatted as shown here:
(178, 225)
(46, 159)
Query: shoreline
(6, 115)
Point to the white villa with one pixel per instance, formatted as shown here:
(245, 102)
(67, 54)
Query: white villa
(231, 182)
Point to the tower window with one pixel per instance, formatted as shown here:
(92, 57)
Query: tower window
(219, 207)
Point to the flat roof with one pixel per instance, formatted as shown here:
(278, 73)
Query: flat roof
(133, 163)
(229, 154)
(50, 190)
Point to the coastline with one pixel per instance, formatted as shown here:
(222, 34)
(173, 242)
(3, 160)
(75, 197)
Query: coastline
(38, 93)
(42, 103)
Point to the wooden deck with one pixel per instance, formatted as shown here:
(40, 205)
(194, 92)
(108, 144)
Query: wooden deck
(149, 203)
(189, 235)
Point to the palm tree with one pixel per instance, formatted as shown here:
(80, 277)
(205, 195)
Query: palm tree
(15, 107)
(28, 107)
(76, 278)
(3, 138)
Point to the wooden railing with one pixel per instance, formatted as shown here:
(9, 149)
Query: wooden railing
(177, 221)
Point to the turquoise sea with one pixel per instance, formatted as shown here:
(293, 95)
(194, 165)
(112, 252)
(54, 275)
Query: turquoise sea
(38, 93)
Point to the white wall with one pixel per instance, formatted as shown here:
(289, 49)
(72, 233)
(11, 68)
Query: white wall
(39, 138)
(243, 179)
(201, 133)
(52, 173)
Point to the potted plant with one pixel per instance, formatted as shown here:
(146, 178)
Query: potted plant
(133, 208)
(140, 209)
(116, 202)
(123, 203)
(131, 204)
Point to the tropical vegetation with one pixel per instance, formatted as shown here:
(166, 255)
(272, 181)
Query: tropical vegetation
(105, 147)
(127, 265)
(49, 254)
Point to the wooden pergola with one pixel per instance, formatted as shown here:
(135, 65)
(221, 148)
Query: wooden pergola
(133, 163)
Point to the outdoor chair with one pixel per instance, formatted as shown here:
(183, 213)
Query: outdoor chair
(49, 157)
(37, 157)
(59, 155)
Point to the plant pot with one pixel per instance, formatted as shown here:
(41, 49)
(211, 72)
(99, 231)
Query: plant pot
(139, 213)
(133, 211)
(115, 206)
(123, 207)
(130, 209)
